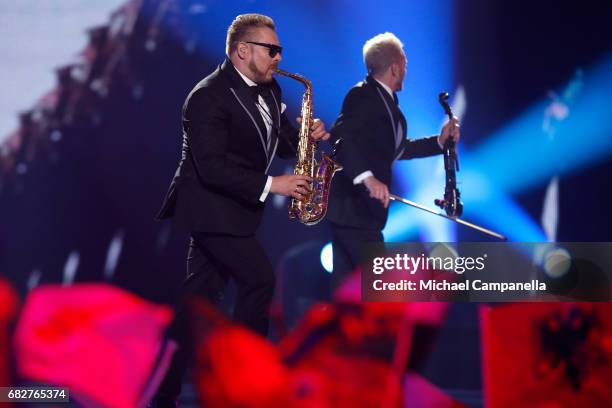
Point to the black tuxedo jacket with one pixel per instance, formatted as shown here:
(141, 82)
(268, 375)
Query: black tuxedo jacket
(225, 156)
(368, 123)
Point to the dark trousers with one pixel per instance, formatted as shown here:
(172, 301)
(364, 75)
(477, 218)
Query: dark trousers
(211, 262)
(347, 246)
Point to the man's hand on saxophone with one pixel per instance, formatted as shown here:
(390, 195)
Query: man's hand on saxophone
(298, 185)
(317, 129)
(294, 185)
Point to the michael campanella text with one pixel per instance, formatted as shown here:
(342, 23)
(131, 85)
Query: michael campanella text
(444, 285)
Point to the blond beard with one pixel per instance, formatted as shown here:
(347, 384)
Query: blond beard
(260, 77)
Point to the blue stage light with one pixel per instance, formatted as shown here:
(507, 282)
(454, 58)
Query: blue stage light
(521, 155)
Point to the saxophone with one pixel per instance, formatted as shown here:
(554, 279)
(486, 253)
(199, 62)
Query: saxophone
(312, 207)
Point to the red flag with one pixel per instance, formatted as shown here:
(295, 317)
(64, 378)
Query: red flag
(340, 355)
(327, 377)
(8, 308)
(98, 340)
(547, 354)
(354, 354)
(238, 368)
(234, 366)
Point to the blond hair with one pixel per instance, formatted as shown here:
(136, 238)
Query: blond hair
(241, 27)
(380, 51)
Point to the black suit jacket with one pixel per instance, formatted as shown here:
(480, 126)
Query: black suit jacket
(225, 156)
(368, 123)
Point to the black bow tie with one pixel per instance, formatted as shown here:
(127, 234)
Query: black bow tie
(259, 90)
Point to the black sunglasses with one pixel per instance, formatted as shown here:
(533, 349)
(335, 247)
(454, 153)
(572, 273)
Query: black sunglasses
(272, 49)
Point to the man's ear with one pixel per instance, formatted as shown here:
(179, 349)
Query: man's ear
(394, 69)
(242, 50)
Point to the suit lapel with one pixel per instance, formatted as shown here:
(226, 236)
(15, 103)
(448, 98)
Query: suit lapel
(275, 110)
(389, 107)
(404, 124)
(246, 101)
(402, 121)
(395, 116)
(241, 92)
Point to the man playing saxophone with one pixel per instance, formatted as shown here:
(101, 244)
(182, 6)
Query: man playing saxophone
(233, 126)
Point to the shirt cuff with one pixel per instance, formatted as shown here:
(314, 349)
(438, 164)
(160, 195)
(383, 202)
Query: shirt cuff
(359, 179)
(266, 189)
(440, 144)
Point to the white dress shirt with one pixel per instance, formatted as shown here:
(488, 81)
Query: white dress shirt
(266, 115)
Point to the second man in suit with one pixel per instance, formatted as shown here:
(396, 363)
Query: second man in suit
(373, 129)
